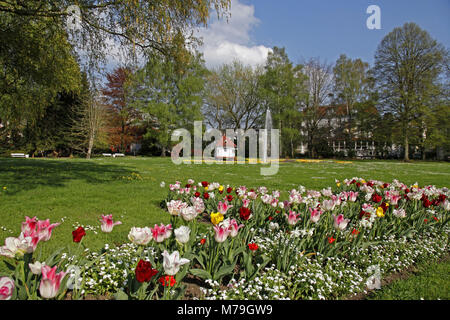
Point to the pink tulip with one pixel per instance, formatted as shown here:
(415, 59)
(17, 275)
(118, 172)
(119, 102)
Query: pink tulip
(234, 228)
(223, 207)
(162, 232)
(32, 238)
(6, 288)
(221, 233)
(293, 217)
(108, 223)
(29, 225)
(245, 203)
(328, 205)
(352, 196)
(44, 229)
(50, 282)
(315, 214)
(339, 222)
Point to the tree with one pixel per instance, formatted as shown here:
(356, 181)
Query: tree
(284, 91)
(122, 116)
(37, 66)
(350, 86)
(407, 67)
(133, 24)
(89, 124)
(320, 87)
(169, 95)
(232, 99)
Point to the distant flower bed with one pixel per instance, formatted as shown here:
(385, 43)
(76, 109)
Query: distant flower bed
(258, 244)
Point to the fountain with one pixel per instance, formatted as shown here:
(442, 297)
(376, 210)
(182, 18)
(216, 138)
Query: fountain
(267, 139)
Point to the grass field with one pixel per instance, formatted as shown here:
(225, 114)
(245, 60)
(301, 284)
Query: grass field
(77, 191)
(428, 282)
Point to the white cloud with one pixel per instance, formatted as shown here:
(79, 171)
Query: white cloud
(225, 41)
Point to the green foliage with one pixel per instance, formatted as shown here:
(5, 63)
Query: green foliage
(37, 65)
(284, 90)
(168, 95)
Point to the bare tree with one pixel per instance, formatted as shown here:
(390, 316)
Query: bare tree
(232, 97)
(320, 83)
(88, 125)
(408, 62)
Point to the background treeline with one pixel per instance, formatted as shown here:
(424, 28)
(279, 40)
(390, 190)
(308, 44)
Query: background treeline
(52, 104)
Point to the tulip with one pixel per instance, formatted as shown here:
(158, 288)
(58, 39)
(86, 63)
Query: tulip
(188, 213)
(446, 205)
(161, 233)
(234, 228)
(245, 213)
(315, 214)
(18, 246)
(339, 222)
(6, 288)
(223, 207)
(182, 234)
(167, 281)
(36, 268)
(29, 225)
(352, 196)
(174, 207)
(380, 212)
(400, 213)
(198, 204)
(292, 218)
(221, 233)
(78, 234)
(144, 271)
(328, 205)
(108, 223)
(44, 229)
(216, 218)
(140, 236)
(172, 262)
(50, 282)
(273, 226)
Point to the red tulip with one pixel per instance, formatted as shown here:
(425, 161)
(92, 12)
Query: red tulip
(244, 213)
(78, 234)
(144, 271)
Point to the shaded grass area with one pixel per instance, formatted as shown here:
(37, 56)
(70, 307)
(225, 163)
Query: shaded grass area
(77, 191)
(429, 281)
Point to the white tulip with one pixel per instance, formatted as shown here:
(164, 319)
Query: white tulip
(172, 262)
(182, 234)
(140, 236)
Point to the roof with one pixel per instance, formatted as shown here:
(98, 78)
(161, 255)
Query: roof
(225, 142)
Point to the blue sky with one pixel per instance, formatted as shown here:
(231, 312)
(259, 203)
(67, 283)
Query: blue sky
(324, 28)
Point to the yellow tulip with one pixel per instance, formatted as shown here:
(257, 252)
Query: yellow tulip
(216, 217)
(380, 212)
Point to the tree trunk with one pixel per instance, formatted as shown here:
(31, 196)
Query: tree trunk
(406, 157)
(163, 152)
(91, 144)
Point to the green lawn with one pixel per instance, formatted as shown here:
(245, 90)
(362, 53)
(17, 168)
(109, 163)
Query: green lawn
(79, 191)
(428, 282)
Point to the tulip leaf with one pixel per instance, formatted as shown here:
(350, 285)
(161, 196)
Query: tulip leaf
(201, 273)
(120, 295)
(224, 270)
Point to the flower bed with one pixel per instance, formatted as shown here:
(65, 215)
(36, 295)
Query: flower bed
(258, 244)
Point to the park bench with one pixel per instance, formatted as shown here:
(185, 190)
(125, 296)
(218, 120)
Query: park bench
(19, 155)
(106, 154)
(118, 155)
